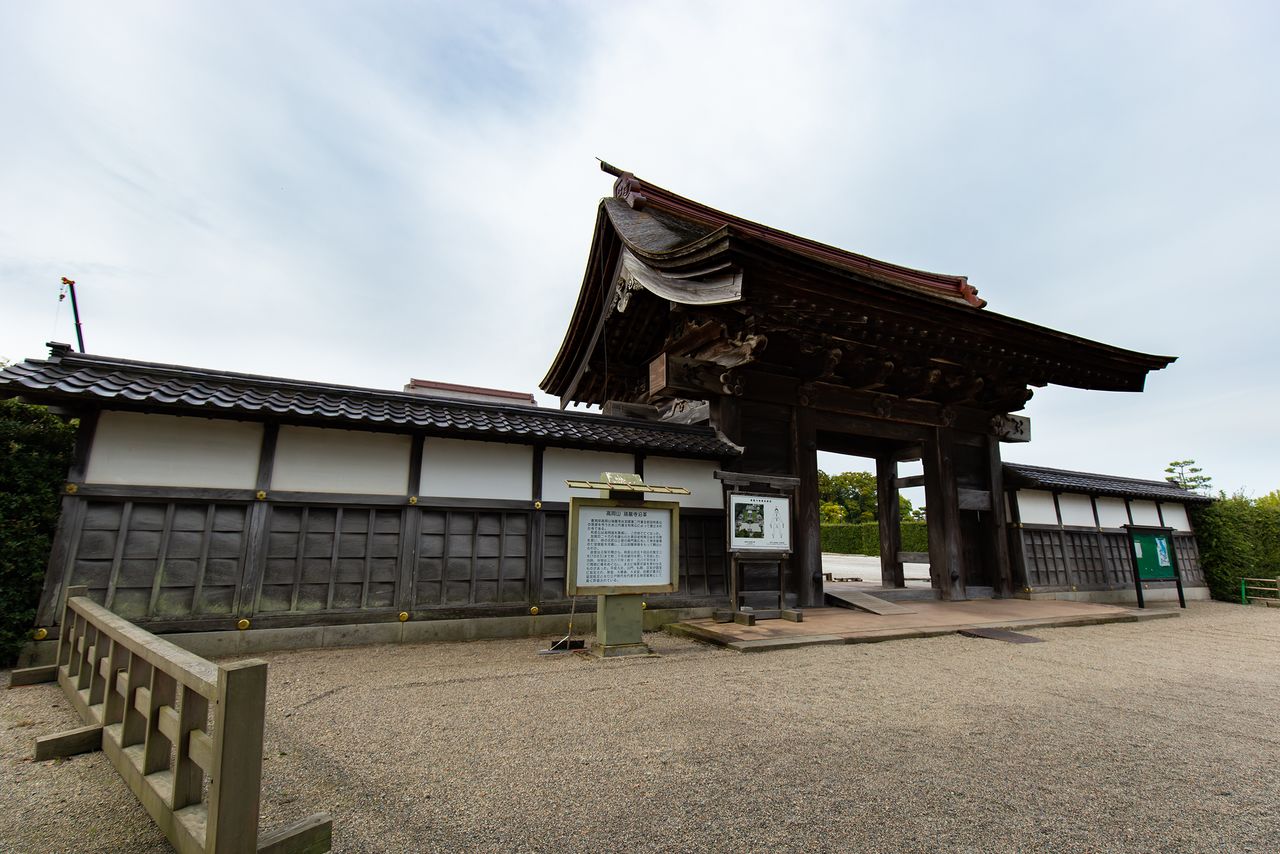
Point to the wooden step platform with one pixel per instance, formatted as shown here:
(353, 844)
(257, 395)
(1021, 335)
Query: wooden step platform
(847, 625)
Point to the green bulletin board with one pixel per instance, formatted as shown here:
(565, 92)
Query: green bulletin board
(1154, 558)
(1153, 553)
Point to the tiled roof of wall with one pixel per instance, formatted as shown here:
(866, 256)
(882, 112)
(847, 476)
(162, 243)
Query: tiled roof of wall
(1061, 480)
(101, 381)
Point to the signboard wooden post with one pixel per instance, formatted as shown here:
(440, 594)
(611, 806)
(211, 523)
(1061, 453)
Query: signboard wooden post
(621, 547)
(759, 518)
(1154, 558)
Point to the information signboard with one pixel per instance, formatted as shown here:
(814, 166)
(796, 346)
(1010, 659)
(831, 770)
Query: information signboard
(1154, 558)
(760, 523)
(618, 547)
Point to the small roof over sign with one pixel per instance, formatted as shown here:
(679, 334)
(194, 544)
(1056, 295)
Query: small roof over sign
(637, 485)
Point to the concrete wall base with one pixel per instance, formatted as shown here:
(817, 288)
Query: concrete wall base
(1122, 597)
(253, 641)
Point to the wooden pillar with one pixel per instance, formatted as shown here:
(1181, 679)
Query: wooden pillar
(410, 517)
(537, 530)
(942, 503)
(70, 517)
(256, 535)
(806, 559)
(889, 514)
(998, 526)
(235, 784)
(1017, 545)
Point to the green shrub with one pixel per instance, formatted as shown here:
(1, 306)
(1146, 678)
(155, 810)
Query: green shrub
(35, 449)
(864, 538)
(1238, 538)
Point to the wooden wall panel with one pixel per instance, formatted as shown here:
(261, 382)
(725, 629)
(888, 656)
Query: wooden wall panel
(329, 558)
(703, 559)
(1094, 560)
(158, 560)
(472, 557)
(180, 560)
(555, 555)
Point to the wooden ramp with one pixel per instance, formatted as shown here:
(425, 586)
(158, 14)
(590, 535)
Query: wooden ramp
(864, 602)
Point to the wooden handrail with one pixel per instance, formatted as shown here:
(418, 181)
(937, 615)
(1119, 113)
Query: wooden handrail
(169, 721)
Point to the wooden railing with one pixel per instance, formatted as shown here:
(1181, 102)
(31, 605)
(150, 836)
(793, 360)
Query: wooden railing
(1263, 590)
(171, 721)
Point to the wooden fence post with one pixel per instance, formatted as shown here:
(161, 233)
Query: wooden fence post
(236, 776)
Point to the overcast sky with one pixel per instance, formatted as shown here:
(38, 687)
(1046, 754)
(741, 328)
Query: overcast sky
(361, 193)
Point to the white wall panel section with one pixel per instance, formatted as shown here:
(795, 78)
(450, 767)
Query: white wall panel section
(171, 450)
(461, 468)
(697, 475)
(320, 459)
(561, 464)
(1175, 516)
(1035, 507)
(1076, 509)
(1144, 513)
(1111, 512)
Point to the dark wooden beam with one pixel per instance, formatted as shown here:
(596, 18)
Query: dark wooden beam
(997, 526)
(890, 516)
(70, 516)
(256, 533)
(946, 554)
(806, 560)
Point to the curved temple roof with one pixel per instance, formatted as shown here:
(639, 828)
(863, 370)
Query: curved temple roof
(663, 227)
(84, 380)
(687, 253)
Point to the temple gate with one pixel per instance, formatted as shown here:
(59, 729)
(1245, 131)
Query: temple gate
(787, 346)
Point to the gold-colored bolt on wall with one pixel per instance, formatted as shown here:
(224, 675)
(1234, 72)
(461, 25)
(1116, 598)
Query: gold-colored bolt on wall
(413, 499)
(534, 610)
(72, 489)
(242, 624)
(644, 606)
(404, 616)
(537, 505)
(261, 495)
(40, 634)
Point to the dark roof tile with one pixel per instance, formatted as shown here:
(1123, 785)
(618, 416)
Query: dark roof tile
(67, 377)
(1061, 480)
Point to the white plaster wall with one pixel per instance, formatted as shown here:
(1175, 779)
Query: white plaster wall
(319, 459)
(561, 464)
(1111, 512)
(697, 475)
(1144, 513)
(1035, 507)
(1175, 516)
(171, 450)
(461, 468)
(1076, 509)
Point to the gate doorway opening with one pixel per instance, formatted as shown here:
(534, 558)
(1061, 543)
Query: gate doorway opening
(854, 521)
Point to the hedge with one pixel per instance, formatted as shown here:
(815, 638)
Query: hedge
(35, 449)
(863, 538)
(1238, 538)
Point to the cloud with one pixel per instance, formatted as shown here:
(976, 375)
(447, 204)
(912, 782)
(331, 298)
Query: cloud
(363, 195)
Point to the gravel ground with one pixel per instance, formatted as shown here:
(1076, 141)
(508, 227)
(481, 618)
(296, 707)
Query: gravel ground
(1151, 737)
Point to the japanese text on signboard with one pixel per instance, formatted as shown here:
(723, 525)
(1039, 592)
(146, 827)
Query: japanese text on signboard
(619, 547)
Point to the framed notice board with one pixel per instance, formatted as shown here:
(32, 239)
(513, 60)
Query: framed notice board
(759, 523)
(1154, 558)
(619, 547)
